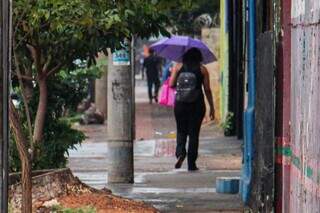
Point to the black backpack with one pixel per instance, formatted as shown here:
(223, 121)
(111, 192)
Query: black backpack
(187, 91)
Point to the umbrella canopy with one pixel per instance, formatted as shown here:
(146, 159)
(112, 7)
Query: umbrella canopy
(175, 47)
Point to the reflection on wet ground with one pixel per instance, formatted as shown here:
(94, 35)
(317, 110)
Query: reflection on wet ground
(156, 182)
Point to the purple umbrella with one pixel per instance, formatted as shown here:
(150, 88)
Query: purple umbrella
(175, 47)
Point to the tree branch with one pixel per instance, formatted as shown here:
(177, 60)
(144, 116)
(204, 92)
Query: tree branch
(55, 69)
(26, 106)
(46, 65)
(24, 77)
(27, 70)
(21, 40)
(22, 146)
(36, 56)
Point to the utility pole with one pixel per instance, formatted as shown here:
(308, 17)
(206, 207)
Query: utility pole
(101, 88)
(5, 60)
(133, 80)
(120, 117)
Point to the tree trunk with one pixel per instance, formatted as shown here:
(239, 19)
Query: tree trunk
(21, 141)
(28, 90)
(41, 112)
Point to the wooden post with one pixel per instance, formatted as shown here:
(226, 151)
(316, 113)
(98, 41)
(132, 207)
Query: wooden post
(5, 59)
(262, 185)
(283, 83)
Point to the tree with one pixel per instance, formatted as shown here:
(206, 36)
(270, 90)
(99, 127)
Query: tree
(50, 35)
(183, 14)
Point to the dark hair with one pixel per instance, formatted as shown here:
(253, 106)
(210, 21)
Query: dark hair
(192, 58)
(151, 51)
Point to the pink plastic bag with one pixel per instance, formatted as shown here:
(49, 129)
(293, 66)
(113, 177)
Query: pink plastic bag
(167, 95)
(171, 97)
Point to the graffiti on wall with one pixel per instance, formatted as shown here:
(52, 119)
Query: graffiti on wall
(305, 101)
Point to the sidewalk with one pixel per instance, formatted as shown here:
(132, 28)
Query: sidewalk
(156, 182)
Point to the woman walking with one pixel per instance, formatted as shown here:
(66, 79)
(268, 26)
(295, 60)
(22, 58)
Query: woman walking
(190, 79)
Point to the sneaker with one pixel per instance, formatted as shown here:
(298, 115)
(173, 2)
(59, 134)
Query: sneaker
(179, 162)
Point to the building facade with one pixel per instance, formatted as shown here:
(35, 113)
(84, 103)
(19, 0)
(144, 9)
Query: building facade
(281, 64)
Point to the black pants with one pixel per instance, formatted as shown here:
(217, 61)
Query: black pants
(156, 83)
(189, 118)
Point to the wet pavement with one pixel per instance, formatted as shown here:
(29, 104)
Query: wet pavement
(156, 182)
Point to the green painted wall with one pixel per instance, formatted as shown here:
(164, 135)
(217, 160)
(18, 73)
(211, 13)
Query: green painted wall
(224, 58)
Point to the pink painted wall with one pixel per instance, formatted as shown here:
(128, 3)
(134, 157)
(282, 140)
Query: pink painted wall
(305, 107)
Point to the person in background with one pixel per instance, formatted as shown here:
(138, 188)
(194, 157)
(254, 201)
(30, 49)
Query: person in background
(141, 69)
(152, 64)
(190, 79)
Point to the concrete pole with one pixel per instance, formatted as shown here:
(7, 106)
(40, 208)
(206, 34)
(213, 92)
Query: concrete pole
(101, 89)
(120, 120)
(133, 80)
(5, 60)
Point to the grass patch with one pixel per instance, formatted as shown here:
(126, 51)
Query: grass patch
(60, 209)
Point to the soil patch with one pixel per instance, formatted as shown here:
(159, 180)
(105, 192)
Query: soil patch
(61, 188)
(105, 203)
